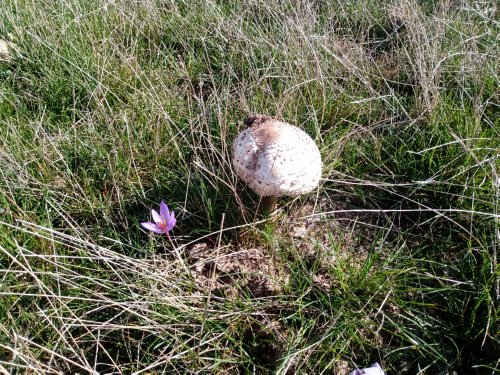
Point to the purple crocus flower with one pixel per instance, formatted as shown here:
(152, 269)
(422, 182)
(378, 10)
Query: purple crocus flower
(374, 369)
(163, 221)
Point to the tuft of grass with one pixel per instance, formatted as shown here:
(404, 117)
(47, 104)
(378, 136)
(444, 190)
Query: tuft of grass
(107, 108)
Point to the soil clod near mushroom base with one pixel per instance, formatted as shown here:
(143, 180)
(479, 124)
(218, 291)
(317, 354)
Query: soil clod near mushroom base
(235, 271)
(258, 270)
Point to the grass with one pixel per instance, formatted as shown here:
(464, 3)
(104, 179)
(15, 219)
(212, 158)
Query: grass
(107, 108)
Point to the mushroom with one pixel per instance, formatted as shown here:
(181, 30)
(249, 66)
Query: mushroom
(275, 159)
(7, 49)
(5, 53)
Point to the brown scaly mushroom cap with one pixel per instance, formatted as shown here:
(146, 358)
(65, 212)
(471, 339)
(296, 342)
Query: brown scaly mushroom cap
(275, 158)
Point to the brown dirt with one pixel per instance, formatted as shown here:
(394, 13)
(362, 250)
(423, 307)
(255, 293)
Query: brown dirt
(231, 271)
(251, 269)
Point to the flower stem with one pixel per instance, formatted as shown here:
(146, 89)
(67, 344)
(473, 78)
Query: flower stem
(177, 254)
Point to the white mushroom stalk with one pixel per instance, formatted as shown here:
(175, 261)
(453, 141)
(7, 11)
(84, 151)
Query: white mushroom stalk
(275, 159)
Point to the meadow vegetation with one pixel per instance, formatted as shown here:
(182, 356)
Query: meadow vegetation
(107, 107)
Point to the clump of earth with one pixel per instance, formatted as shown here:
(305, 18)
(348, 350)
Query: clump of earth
(259, 271)
(230, 271)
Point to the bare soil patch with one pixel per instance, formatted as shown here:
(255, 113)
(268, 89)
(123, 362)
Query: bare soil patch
(260, 271)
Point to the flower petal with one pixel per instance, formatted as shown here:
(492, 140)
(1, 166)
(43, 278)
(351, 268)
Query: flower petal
(374, 369)
(171, 222)
(156, 217)
(152, 227)
(164, 212)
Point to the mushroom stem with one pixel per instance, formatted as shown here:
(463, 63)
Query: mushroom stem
(268, 204)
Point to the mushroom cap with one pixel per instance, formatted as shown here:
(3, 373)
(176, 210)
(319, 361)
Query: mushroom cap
(275, 158)
(5, 47)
